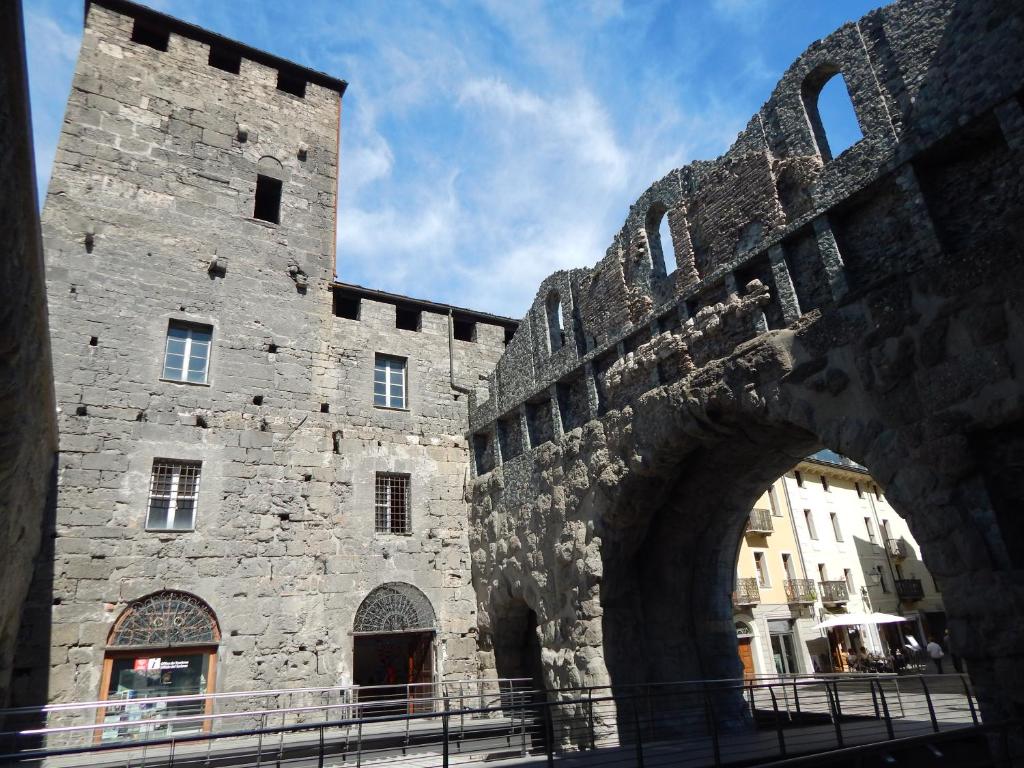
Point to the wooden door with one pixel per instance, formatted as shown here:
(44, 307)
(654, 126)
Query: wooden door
(747, 656)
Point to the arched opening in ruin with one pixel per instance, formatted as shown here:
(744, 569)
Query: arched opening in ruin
(393, 650)
(830, 112)
(556, 333)
(517, 649)
(161, 646)
(659, 237)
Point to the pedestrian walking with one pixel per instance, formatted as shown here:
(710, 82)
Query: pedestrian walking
(935, 651)
(951, 650)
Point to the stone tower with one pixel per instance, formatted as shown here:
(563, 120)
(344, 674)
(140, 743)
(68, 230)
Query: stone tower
(225, 463)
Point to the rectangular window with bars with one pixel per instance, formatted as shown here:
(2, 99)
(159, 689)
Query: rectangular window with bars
(187, 355)
(389, 382)
(173, 491)
(391, 504)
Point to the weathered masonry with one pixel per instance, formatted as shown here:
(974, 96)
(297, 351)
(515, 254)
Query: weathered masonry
(262, 471)
(870, 303)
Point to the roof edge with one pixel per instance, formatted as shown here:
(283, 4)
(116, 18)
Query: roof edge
(194, 32)
(431, 306)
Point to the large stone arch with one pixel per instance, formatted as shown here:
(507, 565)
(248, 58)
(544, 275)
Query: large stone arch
(898, 341)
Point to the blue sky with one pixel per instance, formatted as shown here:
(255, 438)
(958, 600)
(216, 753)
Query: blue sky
(488, 143)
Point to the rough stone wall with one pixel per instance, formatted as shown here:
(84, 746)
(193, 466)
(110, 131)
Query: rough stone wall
(28, 427)
(895, 270)
(152, 182)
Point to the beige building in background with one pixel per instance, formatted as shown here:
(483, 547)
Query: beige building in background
(824, 541)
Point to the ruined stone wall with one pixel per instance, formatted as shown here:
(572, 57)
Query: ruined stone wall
(875, 310)
(148, 219)
(28, 428)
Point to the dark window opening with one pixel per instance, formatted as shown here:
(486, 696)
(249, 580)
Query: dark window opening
(799, 478)
(229, 61)
(146, 34)
(290, 83)
(346, 305)
(408, 318)
(268, 199)
(482, 452)
(465, 330)
(509, 333)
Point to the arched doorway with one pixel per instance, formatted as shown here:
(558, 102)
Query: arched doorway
(393, 646)
(162, 645)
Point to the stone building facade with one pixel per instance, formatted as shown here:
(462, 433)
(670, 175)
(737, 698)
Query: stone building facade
(262, 470)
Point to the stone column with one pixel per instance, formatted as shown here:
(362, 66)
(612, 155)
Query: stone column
(556, 413)
(831, 259)
(524, 428)
(784, 290)
(913, 200)
(591, 384)
(682, 246)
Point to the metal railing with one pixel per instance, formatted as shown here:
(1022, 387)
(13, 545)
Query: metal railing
(760, 521)
(909, 589)
(715, 722)
(746, 592)
(800, 590)
(897, 548)
(834, 592)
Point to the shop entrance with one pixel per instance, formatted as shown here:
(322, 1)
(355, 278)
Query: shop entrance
(394, 666)
(393, 651)
(783, 647)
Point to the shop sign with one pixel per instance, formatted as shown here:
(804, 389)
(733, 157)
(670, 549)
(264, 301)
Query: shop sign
(159, 664)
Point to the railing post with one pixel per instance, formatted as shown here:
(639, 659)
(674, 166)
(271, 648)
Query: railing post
(549, 733)
(874, 698)
(885, 710)
(778, 721)
(259, 743)
(709, 715)
(796, 697)
(320, 759)
(970, 701)
(639, 737)
(359, 742)
(931, 706)
(833, 703)
(444, 735)
(590, 718)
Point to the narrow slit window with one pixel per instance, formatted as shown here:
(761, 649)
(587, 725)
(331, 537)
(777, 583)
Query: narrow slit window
(809, 519)
(187, 353)
(389, 382)
(556, 334)
(268, 199)
(391, 504)
(173, 492)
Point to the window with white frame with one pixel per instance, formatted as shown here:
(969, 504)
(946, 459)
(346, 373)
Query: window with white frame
(173, 491)
(835, 526)
(809, 519)
(389, 382)
(761, 568)
(391, 504)
(187, 355)
(872, 537)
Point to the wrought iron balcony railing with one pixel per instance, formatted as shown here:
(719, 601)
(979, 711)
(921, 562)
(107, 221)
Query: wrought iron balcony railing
(747, 592)
(760, 521)
(834, 592)
(909, 589)
(800, 590)
(898, 549)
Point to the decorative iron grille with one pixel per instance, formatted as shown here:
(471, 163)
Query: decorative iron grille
(800, 590)
(394, 607)
(391, 504)
(173, 492)
(747, 592)
(166, 619)
(834, 592)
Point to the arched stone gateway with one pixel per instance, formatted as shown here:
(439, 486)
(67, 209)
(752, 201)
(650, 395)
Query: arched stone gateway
(877, 311)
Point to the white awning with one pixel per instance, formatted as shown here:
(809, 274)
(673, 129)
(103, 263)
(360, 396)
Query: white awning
(858, 619)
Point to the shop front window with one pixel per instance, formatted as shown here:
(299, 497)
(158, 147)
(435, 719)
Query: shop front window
(159, 667)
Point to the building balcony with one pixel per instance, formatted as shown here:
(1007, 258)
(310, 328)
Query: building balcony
(897, 548)
(834, 592)
(910, 589)
(760, 521)
(746, 592)
(800, 590)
